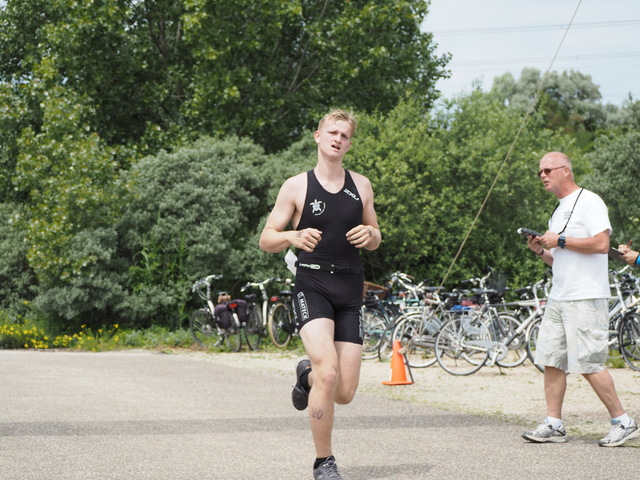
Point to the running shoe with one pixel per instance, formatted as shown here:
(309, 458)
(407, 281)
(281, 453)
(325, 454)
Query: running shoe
(545, 433)
(328, 469)
(300, 395)
(620, 434)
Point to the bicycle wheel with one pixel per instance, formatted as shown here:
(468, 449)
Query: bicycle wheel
(532, 340)
(459, 345)
(505, 327)
(629, 340)
(373, 327)
(418, 344)
(280, 325)
(204, 330)
(253, 331)
(615, 352)
(233, 334)
(385, 348)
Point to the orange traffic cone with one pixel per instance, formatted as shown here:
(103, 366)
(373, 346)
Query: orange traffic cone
(398, 375)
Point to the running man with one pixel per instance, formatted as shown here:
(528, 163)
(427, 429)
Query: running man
(333, 217)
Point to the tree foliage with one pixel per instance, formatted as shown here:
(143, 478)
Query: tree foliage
(143, 143)
(160, 71)
(189, 214)
(569, 101)
(432, 173)
(71, 181)
(16, 277)
(296, 57)
(615, 168)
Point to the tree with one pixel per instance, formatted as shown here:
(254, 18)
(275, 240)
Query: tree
(431, 173)
(615, 168)
(16, 278)
(296, 58)
(570, 102)
(69, 179)
(160, 72)
(124, 56)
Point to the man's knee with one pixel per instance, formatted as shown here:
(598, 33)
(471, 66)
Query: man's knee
(325, 378)
(345, 397)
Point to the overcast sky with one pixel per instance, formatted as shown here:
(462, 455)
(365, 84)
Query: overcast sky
(490, 37)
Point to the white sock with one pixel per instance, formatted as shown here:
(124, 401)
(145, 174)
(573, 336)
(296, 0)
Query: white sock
(623, 419)
(556, 423)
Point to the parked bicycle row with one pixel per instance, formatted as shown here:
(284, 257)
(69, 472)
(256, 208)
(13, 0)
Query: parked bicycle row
(461, 330)
(471, 327)
(223, 321)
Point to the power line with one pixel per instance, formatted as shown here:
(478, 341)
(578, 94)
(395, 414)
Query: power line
(533, 28)
(593, 56)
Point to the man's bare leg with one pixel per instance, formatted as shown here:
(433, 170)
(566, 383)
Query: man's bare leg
(555, 386)
(603, 385)
(335, 373)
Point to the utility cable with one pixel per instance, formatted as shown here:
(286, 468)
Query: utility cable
(532, 28)
(528, 113)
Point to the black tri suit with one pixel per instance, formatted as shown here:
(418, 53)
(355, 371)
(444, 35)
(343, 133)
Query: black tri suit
(329, 280)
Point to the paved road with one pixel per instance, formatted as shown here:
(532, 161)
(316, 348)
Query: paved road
(145, 415)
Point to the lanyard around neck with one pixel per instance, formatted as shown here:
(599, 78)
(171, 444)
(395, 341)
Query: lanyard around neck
(570, 213)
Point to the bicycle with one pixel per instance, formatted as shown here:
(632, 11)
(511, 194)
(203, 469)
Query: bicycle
(623, 302)
(629, 340)
(624, 320)
(476, 337)
(417, 329)
(532, 307)
(256, 327)
(281, 324)
(393, 311)
(378, 316)
(204, 327)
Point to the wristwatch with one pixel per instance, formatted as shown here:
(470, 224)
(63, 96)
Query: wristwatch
(562, 241)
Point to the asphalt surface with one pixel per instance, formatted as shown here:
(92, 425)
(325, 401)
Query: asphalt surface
(146, 415)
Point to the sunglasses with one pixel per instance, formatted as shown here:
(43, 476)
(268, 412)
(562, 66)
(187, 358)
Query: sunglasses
(547, 171)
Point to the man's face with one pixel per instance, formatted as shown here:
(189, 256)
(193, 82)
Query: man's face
(552, 173)
(334, 138)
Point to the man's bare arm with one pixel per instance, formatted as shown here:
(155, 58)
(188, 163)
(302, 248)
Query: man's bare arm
(274, 238)
(368, 234)
(599, 243)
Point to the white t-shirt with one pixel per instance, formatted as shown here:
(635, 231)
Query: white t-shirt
(580, 276)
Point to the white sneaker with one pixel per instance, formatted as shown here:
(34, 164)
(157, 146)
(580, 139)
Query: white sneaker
(545, 433)
(620, 434)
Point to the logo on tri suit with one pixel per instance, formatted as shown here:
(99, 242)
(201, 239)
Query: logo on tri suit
(360, 319)
(302, 304)
(317, 207)
(352, 195)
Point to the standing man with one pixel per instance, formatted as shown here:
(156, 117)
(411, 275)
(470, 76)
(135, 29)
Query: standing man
(574, 334)
(333, 217)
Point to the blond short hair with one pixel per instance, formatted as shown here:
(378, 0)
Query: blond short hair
(338, 114)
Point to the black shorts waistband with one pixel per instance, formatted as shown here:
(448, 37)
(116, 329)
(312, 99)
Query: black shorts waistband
(341, 269)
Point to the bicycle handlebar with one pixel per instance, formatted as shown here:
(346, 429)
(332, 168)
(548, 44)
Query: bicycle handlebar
(204, 282)
(260, 284)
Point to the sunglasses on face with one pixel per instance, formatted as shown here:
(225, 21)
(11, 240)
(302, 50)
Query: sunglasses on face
(547, 171)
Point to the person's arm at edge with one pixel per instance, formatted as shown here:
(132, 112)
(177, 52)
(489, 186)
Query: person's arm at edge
(628, 255)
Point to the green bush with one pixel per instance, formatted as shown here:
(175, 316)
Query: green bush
(189, 214)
